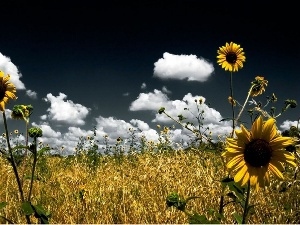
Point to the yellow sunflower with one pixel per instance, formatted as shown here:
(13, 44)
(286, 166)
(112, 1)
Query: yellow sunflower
(254, 155)
(231, 57)
(7, 90)
(259, 86)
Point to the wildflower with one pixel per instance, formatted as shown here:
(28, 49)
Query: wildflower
(274, 98)
(35, 132)
(21, 112)
(16, 131)
(7, 90)
(231, 101)
(290, 103)
(256, 153)
(259, 86)
(231, 57)
(161, 110)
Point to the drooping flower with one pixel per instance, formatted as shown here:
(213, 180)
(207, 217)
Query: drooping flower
(254, 155)
(231, 101)
(21, 112)
(259, 86)
(231, 57)
(7, 90)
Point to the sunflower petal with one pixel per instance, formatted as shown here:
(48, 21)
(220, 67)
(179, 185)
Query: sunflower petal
(256, 129)
(239, 176)
(275, 171)
(269, 131)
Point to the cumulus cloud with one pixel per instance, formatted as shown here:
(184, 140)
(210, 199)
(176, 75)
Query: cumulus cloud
(149, 101)
(9, 68)
(286, 125)
(114, 128)
(65, 142)
(31, 94)
(153, 101)
(65, 111)
(182, 67)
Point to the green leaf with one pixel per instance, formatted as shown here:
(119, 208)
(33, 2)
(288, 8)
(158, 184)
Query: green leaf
(238, 218)
(198, 219)
(250, 209)
(2, 205)
(43, 150)
(239, 191)
(225, 119)
(41, 214)
(20, 147)
(27, 208)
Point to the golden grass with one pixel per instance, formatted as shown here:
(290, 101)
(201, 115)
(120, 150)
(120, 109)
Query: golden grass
(135, 190)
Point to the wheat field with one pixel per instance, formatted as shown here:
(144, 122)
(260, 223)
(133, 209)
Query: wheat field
(132, 189)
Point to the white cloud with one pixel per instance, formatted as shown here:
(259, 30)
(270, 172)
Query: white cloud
(9, 68)
(165, 90)
(141, 125)
(286, 125)
(182, 67)
(143, 86)
(149, 101)
(57, 140)
(65, 111)
(31, 94)
(153, 101)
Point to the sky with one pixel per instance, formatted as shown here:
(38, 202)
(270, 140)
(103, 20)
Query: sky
(113, 64)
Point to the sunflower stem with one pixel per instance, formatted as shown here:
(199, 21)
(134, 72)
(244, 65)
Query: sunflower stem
(232, 105)
(248, 96)
(246, 204)
(14, 166)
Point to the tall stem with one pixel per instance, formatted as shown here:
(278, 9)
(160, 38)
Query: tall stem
(240, 113)
(12, 160)
(33, 169)
(246, 204)
(232, 105)
(13, 163)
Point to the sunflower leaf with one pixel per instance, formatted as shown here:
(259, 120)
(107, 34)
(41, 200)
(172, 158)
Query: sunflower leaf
(238, 218)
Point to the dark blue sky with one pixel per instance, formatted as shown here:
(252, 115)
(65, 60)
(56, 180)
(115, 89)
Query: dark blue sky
(99, 54)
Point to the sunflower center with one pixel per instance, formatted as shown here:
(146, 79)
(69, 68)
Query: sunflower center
(2, 92)
(231, 57)
(258, 153)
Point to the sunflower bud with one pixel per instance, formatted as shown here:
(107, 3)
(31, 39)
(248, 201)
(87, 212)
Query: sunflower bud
(35, 132)
(161, 110)
(21, 112)
(231, 101)
(258, 86)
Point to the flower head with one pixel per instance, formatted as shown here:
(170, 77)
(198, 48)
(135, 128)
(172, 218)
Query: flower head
(259, 86)
(7, 90)
(231, 101)
(254, 155)
(231, 57)
(35, 132)
(21, 112)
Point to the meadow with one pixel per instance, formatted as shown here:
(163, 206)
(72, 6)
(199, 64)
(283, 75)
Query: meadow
(132, 189)
(248, 176)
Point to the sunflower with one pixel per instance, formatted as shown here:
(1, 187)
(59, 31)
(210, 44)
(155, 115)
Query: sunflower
(7, 90)
(231, 57)
(254, 155)
(259, 86)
